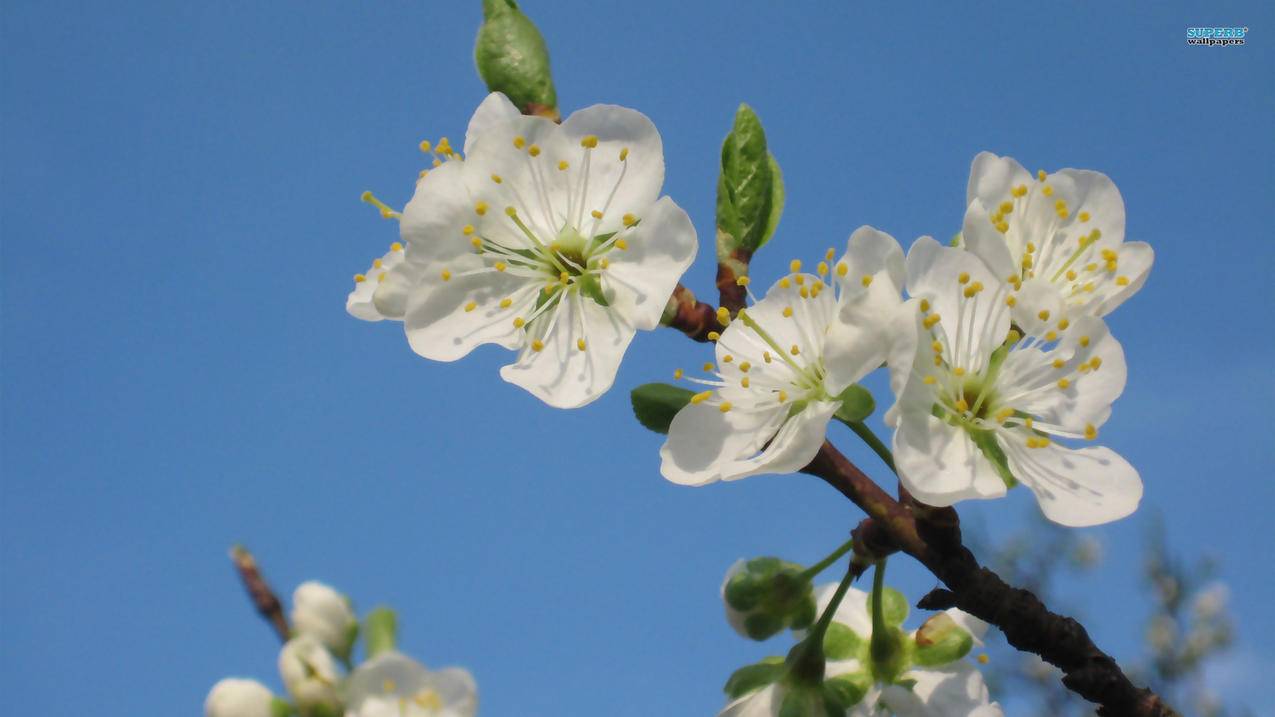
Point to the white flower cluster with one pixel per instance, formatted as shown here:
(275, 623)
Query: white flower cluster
(388, 684)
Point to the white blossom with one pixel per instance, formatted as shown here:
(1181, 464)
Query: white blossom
(235, 697)
(325, 614)
(394, 685)
(310, 673)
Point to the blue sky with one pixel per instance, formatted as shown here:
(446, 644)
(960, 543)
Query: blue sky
(180, 222)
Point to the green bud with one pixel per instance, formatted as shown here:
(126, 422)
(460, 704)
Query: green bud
(940, 641)
(754, 677)
(894, 607)
(802, 701)
(380, 630)
(655, 404)
(763, 596)
(750, 189)
(512, 58)
(856, 404)
(841, 643)
(846, 691)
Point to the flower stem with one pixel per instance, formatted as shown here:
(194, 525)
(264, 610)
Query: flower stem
(806, 661)
(862, 431)
(822, 565)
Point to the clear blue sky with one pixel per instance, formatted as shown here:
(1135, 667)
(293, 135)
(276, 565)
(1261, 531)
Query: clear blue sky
(181, 221)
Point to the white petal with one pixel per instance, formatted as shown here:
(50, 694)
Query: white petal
(561, 374)
(618, 128)
(764, 702)
(495, 110)
(974, 626)
(438, 325)
(1030, 383)
(934, 273)
(368, 297)
(939, 463)
(660, 249)
(1134, 260)
(1077, 487)
(992, 178)
(955, 690)
(982, 239)
(805, 327)
(862, 337)
(432, 221)
(1037, 296)
(407, 675)
(234, 697)
(705, 445)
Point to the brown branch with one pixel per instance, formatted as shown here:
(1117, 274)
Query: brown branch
(690, 316)
(266, 602)
(933, 537)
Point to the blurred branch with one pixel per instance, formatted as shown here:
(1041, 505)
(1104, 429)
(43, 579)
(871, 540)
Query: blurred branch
(259, 591)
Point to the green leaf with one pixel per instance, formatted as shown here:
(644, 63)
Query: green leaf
(846, 691)
(840, 642)
(280, 707)
(745, 188)
(894, 607)
(754, 677)
(512, 58)
(856, 404)
(777, 198)
(986, 442)
(655, 404)
(380, 631)
(940, 641)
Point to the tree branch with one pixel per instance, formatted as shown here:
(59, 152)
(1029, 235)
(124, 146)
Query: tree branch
(933, 537)
(690, 316)
(266, 602)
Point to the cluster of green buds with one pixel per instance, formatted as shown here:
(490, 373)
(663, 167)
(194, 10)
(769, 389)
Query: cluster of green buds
(765, 596)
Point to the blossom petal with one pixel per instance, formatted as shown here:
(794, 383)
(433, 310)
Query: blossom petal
(705, 445)
(643, 276)
(445, 320)
(983, 240)
(939, 463)
(496, 109)
(955, 690)
(992, 177)
(764, 702)
(432, 221)
(1077, 487)
(934, 273)
(561, 374)
(1135, 259)
(617, 129)
(871, 293)
(1030, 383)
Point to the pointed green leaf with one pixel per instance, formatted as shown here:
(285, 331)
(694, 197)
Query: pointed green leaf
(745, 188)
(754, 677)
(655, 404)
(380, 631)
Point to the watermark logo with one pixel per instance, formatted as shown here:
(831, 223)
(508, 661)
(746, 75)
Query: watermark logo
(1216, 36)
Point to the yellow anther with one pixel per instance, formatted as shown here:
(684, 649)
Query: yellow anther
(929, 380)
(467, 229)
(1109, 255)
(1091, 267)
(701, 397)
(937, 346)
(500, 266)
(983, 659)
(765, 356)
(624, 154)
(480, 208)
(1044, 315)
(446, 275)
(677, 374)
(842, 268)
(471, 305)
(580, 344)
(425, 146)
(1019, 191)
(1013, 337)
(1083, 216)
(534, 150)
(1084, 340)
(596, 214)
(421, 174)
(713, 336)
(537, 345)
(359, 278)
(1095, 362)
(1071, 275)
(784, 283)
(1112, 266)
(1002, 227)
(1064, 383)
(520, 142)
(728, 358)
(744, 382)
(1063, 323)
(396, 247)
(1027, 261)
(1005, 207)
(787, 312)
(629, 220)
(973, 289)
(437, 162)
(519, 322)
(385, 210)
(745, 366)
(742, 281)
(1047, 190)
(381, 277)
(1030, 247)
(590, 141)
(959, 371)
(821, 268)
(805, 293)
(708, 366)
(376, 263)
(496, 178)
(964, 278)
(1091, 432)
(931, 320)
(961, 406)
(506, 302)
(1122, 281)
(476, 242)
(925, 305)
(1011, 300)
(1028, 423)
(1051, 336)
(783, 396)
(794, 266)
(604, 263)
(1059, 363)
(1089, 287)
(723, 315)
(866, 280)
(511, 211)
(563, 165)
(799, 279)
(795, 350)
(1041, 174)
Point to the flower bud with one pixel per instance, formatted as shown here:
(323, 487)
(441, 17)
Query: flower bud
(234, 697)
(324, 614)
(940, 641)
(766, 595)
(512, 58)
(310, 674)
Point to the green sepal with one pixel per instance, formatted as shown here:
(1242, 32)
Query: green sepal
(941, 641)
(280, 707)
(512, 58)
(746, 188)
(763, 625)
(802, 701)
(380, 631)
(992, 451)
(846, 691)
(894, 607)
(857, 404)
(840, 642)
(803, 616)
(754, 677)
(655, 404)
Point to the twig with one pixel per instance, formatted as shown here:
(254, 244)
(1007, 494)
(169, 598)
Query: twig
(266, 602)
